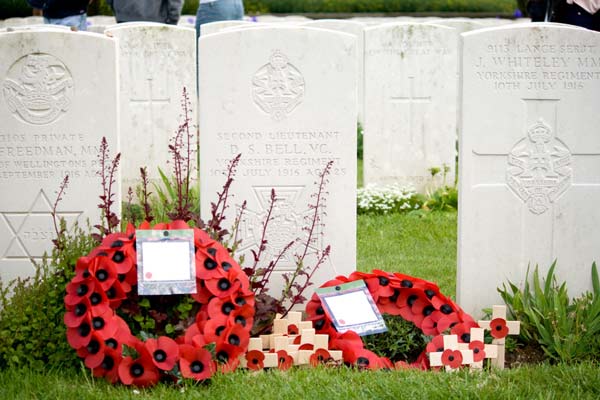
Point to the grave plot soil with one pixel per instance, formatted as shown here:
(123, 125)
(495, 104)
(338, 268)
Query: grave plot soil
(526, 355)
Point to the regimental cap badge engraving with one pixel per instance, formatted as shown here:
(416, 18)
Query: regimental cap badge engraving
(278, 87)
(539, 168)
(38, 89)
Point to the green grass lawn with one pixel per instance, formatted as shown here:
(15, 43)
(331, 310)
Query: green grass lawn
(423, 246)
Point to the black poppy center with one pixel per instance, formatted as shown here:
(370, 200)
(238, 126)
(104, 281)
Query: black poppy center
(234, 340)
(465, 337)
(111, 293)
(498, 328)
(112, 343)
(476, 350)
(136, 370)
(226, 266)
(222, 356)
(429, 293)
(160, 355)
(446, 309)
(428, 310)
(240, 301)
(108, 363)
(281, 360)
(363, 361)
(117, 243)
(101, 275)
(196, 367)
(227, 308)
(451, 358)
(118, 257)
(219, 330)
(383, 281)
(240, 320)
(320, 311)
(394, 297)
(212, 251)
(86, 274)
(84, 329)
(210, 264)
(406, 283)
(223, 284)
(255, 361)
(93, 347)
(98, 323)
(80, 309)
(411, 299)
(95, 298)
(319, 324)
(82, 289)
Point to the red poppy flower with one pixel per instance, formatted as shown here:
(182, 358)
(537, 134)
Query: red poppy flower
(104, 270)
(236, 335)
(315, 310)
(93, 352)
(407, 300)
(306, 346)
(429, 326)
(220, 307)
(139, 372)
(452, 358)
(436, 345)
(195, 363)
(121, 251)
(366, 359)
(80, 336)
(446, 322)
(77, 313)
(243, 316)
(320, 356)
(384, 279)
(103, 322)
(116, 294)
(478, 350)
(76, 291)
(207, 267)
(255, 360)
(164, 352)
(387, 305)
(82, 272)
(463, 331)
(227, 354)
(109, 367)
(284, 360)
(226, 285)
(498, 328)
(213, 330)
(292, 329)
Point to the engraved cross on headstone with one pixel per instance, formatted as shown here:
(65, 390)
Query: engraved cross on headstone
(411, 100)
(150, 101)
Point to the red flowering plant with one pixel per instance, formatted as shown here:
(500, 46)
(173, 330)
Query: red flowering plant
(413, 299)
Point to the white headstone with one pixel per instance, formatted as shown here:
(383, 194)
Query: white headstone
(214, 27)
(285, 98)
(410, 104)
(156, 61)
(55, 107)
(460, 24)
(529, 158)
(357, 29)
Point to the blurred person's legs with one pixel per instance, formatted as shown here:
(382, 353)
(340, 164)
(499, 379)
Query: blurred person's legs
(219, 10)
(78, 21)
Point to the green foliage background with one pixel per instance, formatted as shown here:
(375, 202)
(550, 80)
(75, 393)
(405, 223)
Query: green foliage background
(20, 8)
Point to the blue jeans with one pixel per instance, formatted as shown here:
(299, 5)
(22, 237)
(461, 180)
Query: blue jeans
(219, 10)
(79, 21)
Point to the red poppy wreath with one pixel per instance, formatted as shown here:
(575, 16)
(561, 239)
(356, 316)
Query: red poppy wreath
(105, 277)
(415, 300)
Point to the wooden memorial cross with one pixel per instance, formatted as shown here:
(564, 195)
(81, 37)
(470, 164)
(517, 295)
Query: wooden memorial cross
(499, 327)
(453, 356)
(480, 350)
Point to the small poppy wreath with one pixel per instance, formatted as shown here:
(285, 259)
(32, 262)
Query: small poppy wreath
(415, 300)
(104, 341)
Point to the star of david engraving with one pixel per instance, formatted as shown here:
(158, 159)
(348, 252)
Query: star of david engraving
(32, 231)
(287, 225)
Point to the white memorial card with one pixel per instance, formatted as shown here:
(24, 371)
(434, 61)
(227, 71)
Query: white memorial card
(166, 262)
